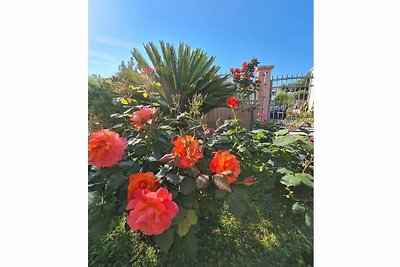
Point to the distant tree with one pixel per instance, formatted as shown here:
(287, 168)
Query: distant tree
(282, 99)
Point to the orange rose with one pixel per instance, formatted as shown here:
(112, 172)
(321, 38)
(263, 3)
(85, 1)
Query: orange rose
(225, 163)
(151, 212)
(141, 181)
(142, 116)
(106, 148)
(188, 150)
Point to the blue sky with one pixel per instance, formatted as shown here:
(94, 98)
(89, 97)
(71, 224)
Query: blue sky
(277, 32)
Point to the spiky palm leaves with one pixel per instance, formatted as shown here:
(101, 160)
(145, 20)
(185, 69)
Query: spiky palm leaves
(186, 72)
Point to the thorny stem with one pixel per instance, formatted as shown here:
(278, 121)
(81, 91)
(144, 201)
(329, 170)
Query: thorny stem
(308, 163)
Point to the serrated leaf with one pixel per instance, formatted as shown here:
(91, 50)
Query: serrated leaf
(306, 179)
(174, 194)
(286, 140)
(284, 171)
(223, 139)
(236, 206)
(173, 178)
(281, 132)
(165, 239)
(188, 201)
(191, 245)
(191, 217)
(221, 183)
(219, 194)
(298, 208)
(309, 147)
(187, 186)
(116, 180)
(291, 180)
(183, 228)
(127, 164)
(202, 181)
(180, 216)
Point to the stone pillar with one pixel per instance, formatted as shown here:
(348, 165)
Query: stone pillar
(264, 94)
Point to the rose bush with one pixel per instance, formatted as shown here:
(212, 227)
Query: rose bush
(245, 82)
(166, 172)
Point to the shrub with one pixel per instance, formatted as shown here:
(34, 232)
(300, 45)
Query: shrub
(177, 173)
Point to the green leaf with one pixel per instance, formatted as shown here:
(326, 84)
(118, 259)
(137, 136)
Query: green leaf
(173, 178)
(308, 218)
(191, 217)
(297, 208)
(286, 140)
(223, 139)
(180, 216)
(183, 228)
(110, 208)
(219, 194)
(127, 163)
(281, 132)
(188, 201)
(187, 186)
(291, 180)
(252, 215)
(221, 183)
(202, 181)
(306, 179)
(236, 206)
(192, 246)
(116, 180)
(165, 239)
(309, 147)
(284, 171)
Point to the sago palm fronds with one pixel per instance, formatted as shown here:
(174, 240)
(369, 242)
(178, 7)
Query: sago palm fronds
(186, 72)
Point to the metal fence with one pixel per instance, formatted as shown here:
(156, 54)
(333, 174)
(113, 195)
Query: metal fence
(291, 97)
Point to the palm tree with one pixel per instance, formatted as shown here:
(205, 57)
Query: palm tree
(188, 73)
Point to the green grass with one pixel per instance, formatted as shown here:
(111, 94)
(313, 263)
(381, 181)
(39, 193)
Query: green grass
(280, 239)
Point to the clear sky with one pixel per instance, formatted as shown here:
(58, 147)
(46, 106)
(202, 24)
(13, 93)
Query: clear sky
(277, 32)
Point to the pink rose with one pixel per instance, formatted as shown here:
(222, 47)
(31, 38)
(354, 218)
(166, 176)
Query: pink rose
(142, 116)
(151, 212)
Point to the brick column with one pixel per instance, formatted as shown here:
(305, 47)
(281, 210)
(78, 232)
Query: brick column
(264, 94)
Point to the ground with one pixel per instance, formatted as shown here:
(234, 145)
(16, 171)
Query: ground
(280, 239)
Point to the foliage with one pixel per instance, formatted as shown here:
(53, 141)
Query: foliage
(195, 188)
(277, 240)
(167, 138)
(282, 99)
(245, 82)
(100, 103)
(185, 72)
